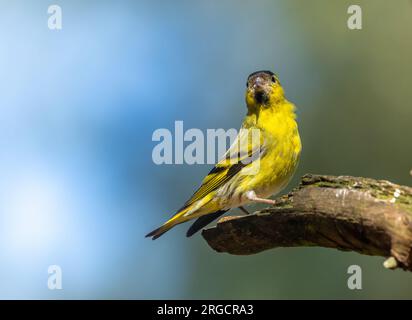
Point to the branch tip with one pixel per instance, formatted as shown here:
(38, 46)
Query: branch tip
(390, 263)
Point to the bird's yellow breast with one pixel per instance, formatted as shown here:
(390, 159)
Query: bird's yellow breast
(282, 147)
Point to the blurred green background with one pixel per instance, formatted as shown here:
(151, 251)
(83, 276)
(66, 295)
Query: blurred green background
(79, 107)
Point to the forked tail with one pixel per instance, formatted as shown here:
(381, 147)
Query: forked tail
(169, 224)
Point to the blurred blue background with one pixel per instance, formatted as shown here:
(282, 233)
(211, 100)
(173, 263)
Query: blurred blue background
(78, 187)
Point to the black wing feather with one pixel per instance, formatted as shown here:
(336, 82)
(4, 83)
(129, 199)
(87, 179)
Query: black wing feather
(203, 221)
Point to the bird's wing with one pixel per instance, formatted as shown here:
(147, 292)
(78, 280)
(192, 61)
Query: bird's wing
(246, 149)
(203, 221)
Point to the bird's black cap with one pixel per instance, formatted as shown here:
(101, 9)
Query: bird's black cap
(270, 73)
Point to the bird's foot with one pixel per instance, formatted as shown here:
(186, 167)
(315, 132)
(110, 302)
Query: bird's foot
(251, 195)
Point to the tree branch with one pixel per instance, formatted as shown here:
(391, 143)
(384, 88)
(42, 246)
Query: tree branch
(371, 217)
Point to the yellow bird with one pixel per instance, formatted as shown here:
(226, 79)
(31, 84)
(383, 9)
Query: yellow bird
(259, 164)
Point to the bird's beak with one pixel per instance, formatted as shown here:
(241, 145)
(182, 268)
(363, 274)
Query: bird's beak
(259, 91)
(258, 85)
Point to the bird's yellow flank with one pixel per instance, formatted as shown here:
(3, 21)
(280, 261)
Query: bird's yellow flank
(259, 164)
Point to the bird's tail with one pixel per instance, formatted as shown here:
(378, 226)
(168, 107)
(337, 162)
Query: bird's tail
(169, 224)
(156, 233)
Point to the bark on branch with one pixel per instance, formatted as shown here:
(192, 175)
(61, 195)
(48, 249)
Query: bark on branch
(372, 217)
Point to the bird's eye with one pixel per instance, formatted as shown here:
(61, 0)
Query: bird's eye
(247, 84)
(273, 79)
